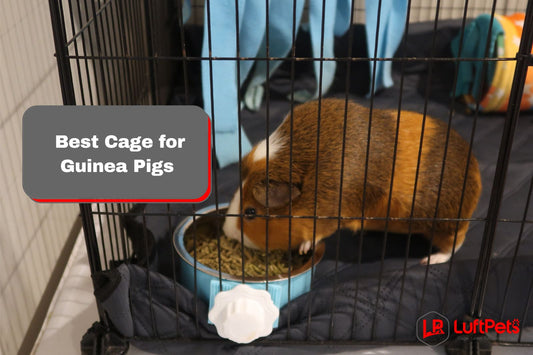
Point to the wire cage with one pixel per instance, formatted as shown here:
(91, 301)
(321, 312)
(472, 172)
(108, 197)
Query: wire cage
(366, 290)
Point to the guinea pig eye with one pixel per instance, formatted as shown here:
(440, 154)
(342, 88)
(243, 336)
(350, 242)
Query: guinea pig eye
(249, 212)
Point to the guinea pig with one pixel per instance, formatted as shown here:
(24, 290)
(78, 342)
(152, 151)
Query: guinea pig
(301, 193)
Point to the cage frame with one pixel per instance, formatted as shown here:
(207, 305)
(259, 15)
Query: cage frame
(100, 336)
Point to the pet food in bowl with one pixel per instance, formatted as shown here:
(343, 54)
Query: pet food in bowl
(232, 251)
(197, 239)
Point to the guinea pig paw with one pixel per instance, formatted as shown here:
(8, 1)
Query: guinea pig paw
(437, 258)
(305, 247)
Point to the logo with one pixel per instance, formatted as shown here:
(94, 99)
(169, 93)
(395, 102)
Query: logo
(433, 328)
(482, 326)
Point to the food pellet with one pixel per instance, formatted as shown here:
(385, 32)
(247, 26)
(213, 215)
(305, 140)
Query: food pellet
(230, 256)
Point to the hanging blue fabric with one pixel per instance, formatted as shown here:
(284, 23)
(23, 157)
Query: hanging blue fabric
(186, 10)
(222, 105)
(391, 28)
(336, 15)
(221, 100)
(280, 37)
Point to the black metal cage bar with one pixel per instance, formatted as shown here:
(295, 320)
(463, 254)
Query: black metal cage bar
(523, 61)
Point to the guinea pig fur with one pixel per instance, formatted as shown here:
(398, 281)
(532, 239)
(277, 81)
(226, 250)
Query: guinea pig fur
(287, 198)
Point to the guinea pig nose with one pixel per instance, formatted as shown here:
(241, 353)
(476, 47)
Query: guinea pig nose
(250, 212)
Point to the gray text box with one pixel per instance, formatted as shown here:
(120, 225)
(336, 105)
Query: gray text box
(116, 153)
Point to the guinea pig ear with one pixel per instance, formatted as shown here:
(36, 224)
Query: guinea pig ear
(278, 193)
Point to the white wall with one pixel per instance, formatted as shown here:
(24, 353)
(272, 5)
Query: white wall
(31, 234)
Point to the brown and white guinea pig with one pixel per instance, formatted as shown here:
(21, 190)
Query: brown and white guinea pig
(298, 192)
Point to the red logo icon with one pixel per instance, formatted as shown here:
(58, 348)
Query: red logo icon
(433, 328)
(436, 328)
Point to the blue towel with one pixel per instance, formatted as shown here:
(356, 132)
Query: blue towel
(336, 15)
(391, 28)
(222, 107)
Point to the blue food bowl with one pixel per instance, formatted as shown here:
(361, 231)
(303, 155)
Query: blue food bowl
(205, 280)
